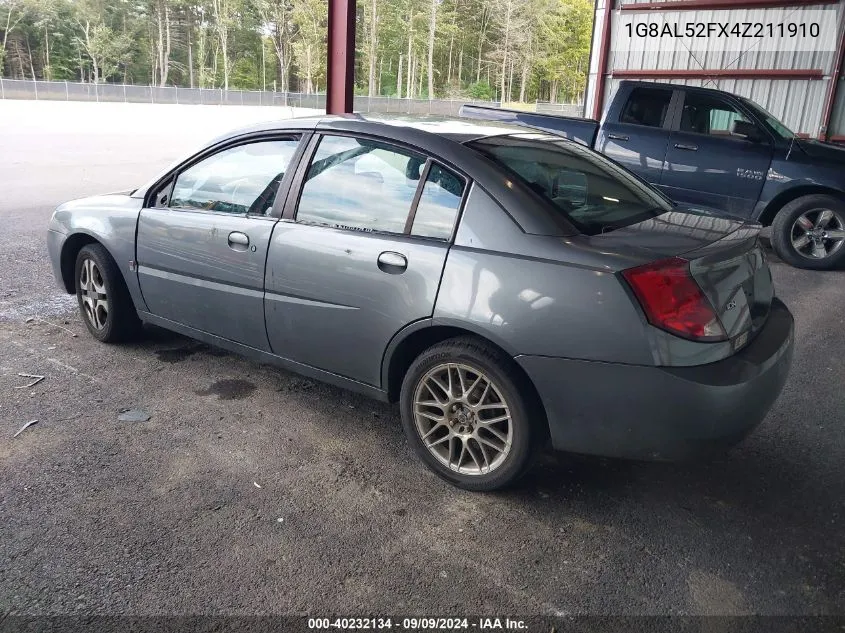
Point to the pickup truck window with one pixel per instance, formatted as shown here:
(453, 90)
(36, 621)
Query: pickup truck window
(594, 193)
(646, 106)
(703, 114)
(773, 122)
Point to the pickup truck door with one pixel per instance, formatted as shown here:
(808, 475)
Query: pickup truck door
(636, 130)
(358, 254)
(708, 163)
(202, 243)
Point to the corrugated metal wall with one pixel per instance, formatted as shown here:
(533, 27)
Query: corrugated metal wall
(799, 103)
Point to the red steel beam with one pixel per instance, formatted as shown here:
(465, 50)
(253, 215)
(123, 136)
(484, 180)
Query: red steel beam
(692, 5)
(604, 51)
(340, 68)
(832, 88)
(722, 73)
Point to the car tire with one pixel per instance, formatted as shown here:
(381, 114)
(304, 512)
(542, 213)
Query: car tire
(104, 301)
(807, 227)
(481, 453)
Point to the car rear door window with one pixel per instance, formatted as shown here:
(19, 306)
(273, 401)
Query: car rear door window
(238, 180)
(439, 203)
(360, 184)
(646, 106)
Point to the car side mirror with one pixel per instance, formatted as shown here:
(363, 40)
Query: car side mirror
(747, 129)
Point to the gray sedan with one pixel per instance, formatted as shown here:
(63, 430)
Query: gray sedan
(507, 287)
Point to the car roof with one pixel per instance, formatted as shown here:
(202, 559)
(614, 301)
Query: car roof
(452, 128)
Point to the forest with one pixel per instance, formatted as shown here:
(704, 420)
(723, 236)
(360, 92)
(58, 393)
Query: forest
(524, 50)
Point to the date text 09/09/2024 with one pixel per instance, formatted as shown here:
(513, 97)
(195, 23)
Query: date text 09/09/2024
(417, 624)
(724, 29)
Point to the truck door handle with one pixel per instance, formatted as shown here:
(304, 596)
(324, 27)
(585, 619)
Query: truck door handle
(618, 137)
(691, 148)
(238, 241)
(392, 263)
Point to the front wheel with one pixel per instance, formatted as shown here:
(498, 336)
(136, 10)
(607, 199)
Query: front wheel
(467, 415)
(809, 232)
(104, 301)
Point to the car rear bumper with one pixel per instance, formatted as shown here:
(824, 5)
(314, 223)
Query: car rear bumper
(663, 412)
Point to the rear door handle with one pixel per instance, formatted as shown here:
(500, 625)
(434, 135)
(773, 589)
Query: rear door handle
(691, 148)
(392, 263)
(238, 241)
(618, 137)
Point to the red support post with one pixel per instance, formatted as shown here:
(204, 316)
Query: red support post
(340, 69)
(604, 51)
(832, 88)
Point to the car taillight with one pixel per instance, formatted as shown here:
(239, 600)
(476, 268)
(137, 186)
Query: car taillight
(673, 301)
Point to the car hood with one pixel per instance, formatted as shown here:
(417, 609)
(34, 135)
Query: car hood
(823, 151)
(103, 201)
(670, 234)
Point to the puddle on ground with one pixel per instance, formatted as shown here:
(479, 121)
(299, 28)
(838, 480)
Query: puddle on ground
(228, 389)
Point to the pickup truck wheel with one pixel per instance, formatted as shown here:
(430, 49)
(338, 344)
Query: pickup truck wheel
(465, 415)
(104, 301)
(809, 232)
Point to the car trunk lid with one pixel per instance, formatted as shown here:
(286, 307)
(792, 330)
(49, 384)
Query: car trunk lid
(725, 260)
(734, 276)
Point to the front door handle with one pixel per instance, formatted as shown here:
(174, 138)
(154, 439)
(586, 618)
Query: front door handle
(691, 148)
(618, 137)
(238, 241)
(392, 263)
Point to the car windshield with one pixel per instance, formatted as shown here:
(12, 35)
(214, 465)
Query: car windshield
(779, 128)
(593, 192)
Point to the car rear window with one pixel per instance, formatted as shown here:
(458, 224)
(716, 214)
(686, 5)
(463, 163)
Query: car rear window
(594, 193)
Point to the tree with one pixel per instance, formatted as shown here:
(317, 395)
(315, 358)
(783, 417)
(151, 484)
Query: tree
(15, 12)
(106, 48)
(525, 48)
(432, 28)
(276, 21)
(310, 18)
(224, 16)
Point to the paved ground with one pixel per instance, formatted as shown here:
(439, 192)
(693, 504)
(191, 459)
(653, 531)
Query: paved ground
(251, 490)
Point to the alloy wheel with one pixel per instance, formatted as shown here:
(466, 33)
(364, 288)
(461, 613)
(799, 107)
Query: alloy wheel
(463, 419)
(92, 289)
(818, 233)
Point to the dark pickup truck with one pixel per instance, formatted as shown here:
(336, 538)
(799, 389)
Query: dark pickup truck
(712, 149)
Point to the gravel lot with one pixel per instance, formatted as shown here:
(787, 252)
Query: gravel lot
(253, 491)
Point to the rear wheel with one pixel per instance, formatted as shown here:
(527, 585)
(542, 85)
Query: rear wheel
(104, 301)
(809, 232)
(467, 415)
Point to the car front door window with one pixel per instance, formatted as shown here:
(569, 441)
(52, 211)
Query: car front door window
(240, 180)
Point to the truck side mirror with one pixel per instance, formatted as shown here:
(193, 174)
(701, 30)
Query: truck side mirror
(747, 129)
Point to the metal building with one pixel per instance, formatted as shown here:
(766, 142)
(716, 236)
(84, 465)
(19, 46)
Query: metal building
(803, 88)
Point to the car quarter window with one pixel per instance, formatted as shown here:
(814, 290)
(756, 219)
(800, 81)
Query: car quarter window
(238, 180)
(439, 204)
(646, 106)
(359, 184)
(703, 114)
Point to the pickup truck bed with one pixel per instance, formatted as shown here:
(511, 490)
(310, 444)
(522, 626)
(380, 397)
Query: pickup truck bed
(719, 152)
